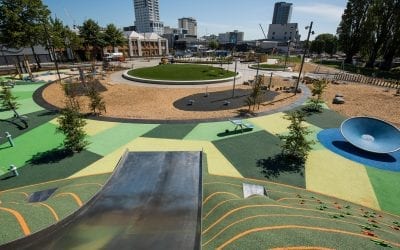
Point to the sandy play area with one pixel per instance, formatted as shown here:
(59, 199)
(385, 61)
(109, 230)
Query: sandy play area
(365, 100)
(138, 102)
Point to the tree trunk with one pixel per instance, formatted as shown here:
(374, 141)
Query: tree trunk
(349, 58)
(387, 60)
(36, 57)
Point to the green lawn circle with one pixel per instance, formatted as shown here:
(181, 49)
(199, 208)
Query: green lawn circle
(181, 72)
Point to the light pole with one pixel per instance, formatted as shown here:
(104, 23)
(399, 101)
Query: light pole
(304, 55)
(287, 54)
(234, 78)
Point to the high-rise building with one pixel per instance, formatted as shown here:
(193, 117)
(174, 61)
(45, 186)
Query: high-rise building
(189, 24)
(147, 16)
(282, 13)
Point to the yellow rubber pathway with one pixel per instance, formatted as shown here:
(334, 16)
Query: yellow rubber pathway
(331, 174)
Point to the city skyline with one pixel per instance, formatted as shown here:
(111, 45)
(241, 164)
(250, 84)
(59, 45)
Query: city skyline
(236, 15)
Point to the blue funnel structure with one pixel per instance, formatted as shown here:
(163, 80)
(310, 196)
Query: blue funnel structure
(371, 134)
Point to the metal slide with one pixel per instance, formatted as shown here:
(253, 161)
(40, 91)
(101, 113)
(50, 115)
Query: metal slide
(152, 201)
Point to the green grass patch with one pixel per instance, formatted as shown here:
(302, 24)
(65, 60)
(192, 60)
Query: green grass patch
(386, 185)
(182, 72)
(171, 131)
(270, 66)
(245, 152)
(49, 167)
(112, 139)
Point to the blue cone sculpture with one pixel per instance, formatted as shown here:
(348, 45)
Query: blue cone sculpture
(371, 134)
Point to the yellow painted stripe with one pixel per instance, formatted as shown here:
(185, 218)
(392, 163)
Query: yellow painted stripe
(217, 206)
(320, 229)
(225, 183)
(74, 196)
(218, 193)
(20, 219)
(51, 210)
(85, 184)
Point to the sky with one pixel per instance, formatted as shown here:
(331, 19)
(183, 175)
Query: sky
(213, 16)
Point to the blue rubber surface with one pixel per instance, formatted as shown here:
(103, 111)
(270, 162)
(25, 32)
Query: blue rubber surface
(334, 141)
(371, 134)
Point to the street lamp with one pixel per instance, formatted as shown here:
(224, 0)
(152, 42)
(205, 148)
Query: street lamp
(287, 54)
(234, 78)
(304, 55)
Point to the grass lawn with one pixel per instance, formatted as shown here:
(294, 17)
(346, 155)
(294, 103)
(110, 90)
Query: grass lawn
(181, 72)
(270, 66)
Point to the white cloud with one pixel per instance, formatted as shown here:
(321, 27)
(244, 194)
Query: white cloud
(327, 11)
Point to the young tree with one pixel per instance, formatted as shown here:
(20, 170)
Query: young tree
(8, 100)
(113, 37)
(71, 124)
(97, 104)
(351, 30)
(296, 146)
(213, 44)
(315, 104)
(21, 24)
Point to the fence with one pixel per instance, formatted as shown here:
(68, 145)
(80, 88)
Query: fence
(387, 83)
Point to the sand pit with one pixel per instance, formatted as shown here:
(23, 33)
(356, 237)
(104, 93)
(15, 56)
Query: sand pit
(365, 100)
(138, 102)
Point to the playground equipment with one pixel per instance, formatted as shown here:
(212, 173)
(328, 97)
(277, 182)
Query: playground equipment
(371, 134)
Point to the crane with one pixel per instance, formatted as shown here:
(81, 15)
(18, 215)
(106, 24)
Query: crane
(263, 31)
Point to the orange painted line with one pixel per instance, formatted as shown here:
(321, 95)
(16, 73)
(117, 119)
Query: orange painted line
(309, 191)
(218, 193)
(256, 206)
(20, 219)
(218, 205)
(47, 182)
(74, 196)
(287, 215)
(302, 247)
(51, 210)
(260, 229)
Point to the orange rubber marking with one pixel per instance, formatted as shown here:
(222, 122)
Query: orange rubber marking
(300, 248)
(303, 189)
(286, 215)
(260, 229)
(20, 219)
(218, 205)
(51, 210)
(74, 196)
(218, 193)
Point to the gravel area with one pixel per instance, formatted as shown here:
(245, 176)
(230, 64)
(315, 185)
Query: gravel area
(365, 100)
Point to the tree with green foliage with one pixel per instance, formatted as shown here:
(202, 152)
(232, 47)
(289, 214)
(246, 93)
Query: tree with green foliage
(295, 145)
(21, 24)
(380, 19)
(391, 47)
(325, 43)
(213, 44)
(71, 124)
(91, 36)
(97, 104)
(113, 37)
(351, 30)
(8, 100)
(318, 88)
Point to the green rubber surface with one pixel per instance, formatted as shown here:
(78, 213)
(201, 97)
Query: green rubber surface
(170, 131)
(112, 139)
(39, 140)
(214, 131)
